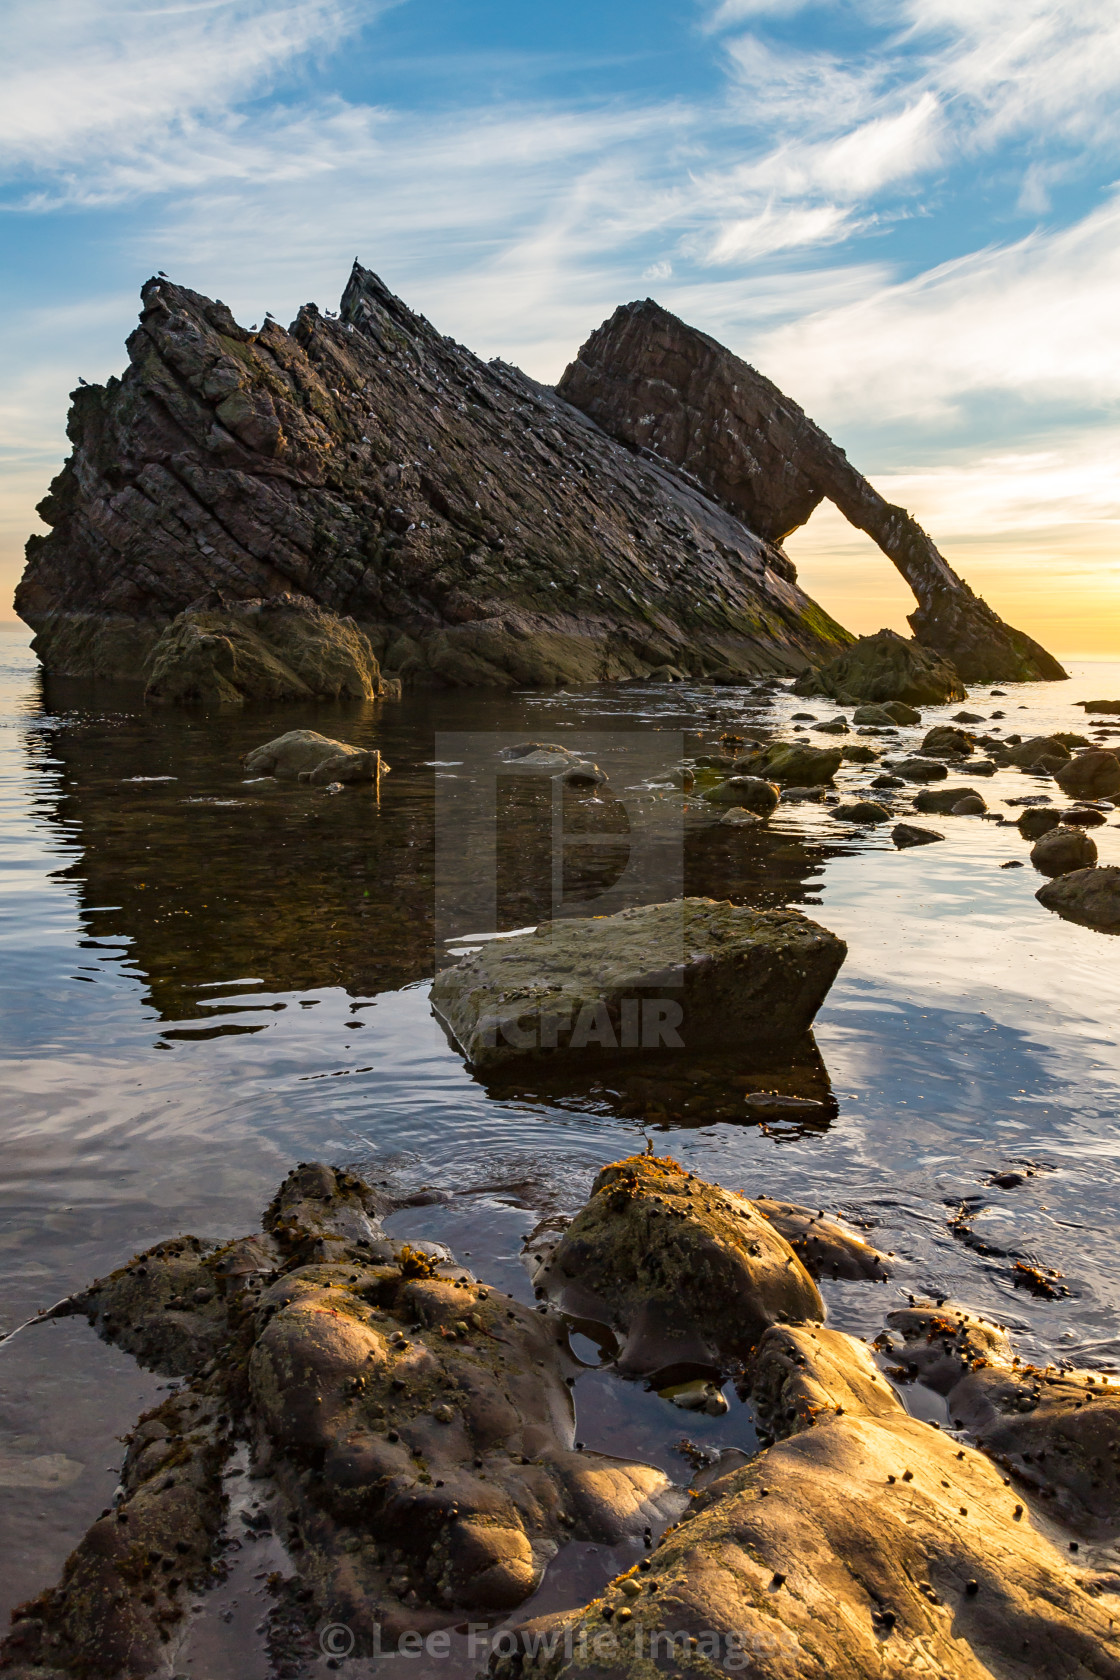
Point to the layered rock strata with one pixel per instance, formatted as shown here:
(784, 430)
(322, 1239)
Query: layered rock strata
(480, 529)
(677, 395)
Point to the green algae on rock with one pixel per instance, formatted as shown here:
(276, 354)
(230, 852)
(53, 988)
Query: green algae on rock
(885, 667)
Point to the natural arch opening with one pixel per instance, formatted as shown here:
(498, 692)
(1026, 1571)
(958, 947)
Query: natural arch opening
(849, 575)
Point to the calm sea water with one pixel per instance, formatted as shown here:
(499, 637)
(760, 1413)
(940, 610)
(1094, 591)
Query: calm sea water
(206, 980)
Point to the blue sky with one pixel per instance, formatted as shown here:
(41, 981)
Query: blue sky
(905, 211)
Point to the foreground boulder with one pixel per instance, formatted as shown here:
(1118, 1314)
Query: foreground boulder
(665, 388)
(684, 1273)
(304, 755)
(283, 648)
(473, 524)
(691, 974)
(865, 1543)
(885, 667)
(1090, 775)
(416, 1428)
(1088, 896)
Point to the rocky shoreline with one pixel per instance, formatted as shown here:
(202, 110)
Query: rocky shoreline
(413, 1438)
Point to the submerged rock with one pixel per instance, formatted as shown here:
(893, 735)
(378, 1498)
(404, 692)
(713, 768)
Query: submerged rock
(1062, 850)
(306, 756)
(674, 393)
(885, 667)
(690, 974)
(1089, 896)
(683, 1272)
(282, 648)
(474, 524)
(1090, 775)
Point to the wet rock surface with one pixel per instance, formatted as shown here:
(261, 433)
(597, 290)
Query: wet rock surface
(910, 834)
(1056, 1431)
(1089, 896)
(885, 667)
(665, 388)
(476, 526)
(306, 756)
(682, 1272)
(283, 648)
(863, 1543)
(686, 975)
(1090, 775)
(1062, 850)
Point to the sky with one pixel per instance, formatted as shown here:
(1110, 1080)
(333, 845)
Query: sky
(906, 212)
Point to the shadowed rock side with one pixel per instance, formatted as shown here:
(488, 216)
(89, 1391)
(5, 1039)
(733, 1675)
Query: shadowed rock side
(478, 529)
(661, 386)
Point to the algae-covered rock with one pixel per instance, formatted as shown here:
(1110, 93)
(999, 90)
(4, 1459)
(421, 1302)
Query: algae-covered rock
(802, 766)
(1088, 896)
(683, 1272)
(885, 667)
(306, 756)
(1063, 850)
(1090, 775)
(751, 792)
(281, 648)
(690, 974)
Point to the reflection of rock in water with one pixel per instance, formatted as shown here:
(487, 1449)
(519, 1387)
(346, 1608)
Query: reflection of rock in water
(791, 1093)
(211, 878)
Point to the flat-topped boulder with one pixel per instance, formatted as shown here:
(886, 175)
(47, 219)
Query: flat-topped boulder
(689, 974)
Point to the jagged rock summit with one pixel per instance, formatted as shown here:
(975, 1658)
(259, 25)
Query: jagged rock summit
(677, 395)
(476, 527)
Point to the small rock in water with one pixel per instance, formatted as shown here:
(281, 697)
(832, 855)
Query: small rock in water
(1062, 851)
(861, 811)
(1083, 816)
(698, 1396)
(909, 834)
(1038, 821)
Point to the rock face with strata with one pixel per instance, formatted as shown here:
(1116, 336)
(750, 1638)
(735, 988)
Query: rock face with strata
(691, 974)
(678, 395)
(477, 527)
